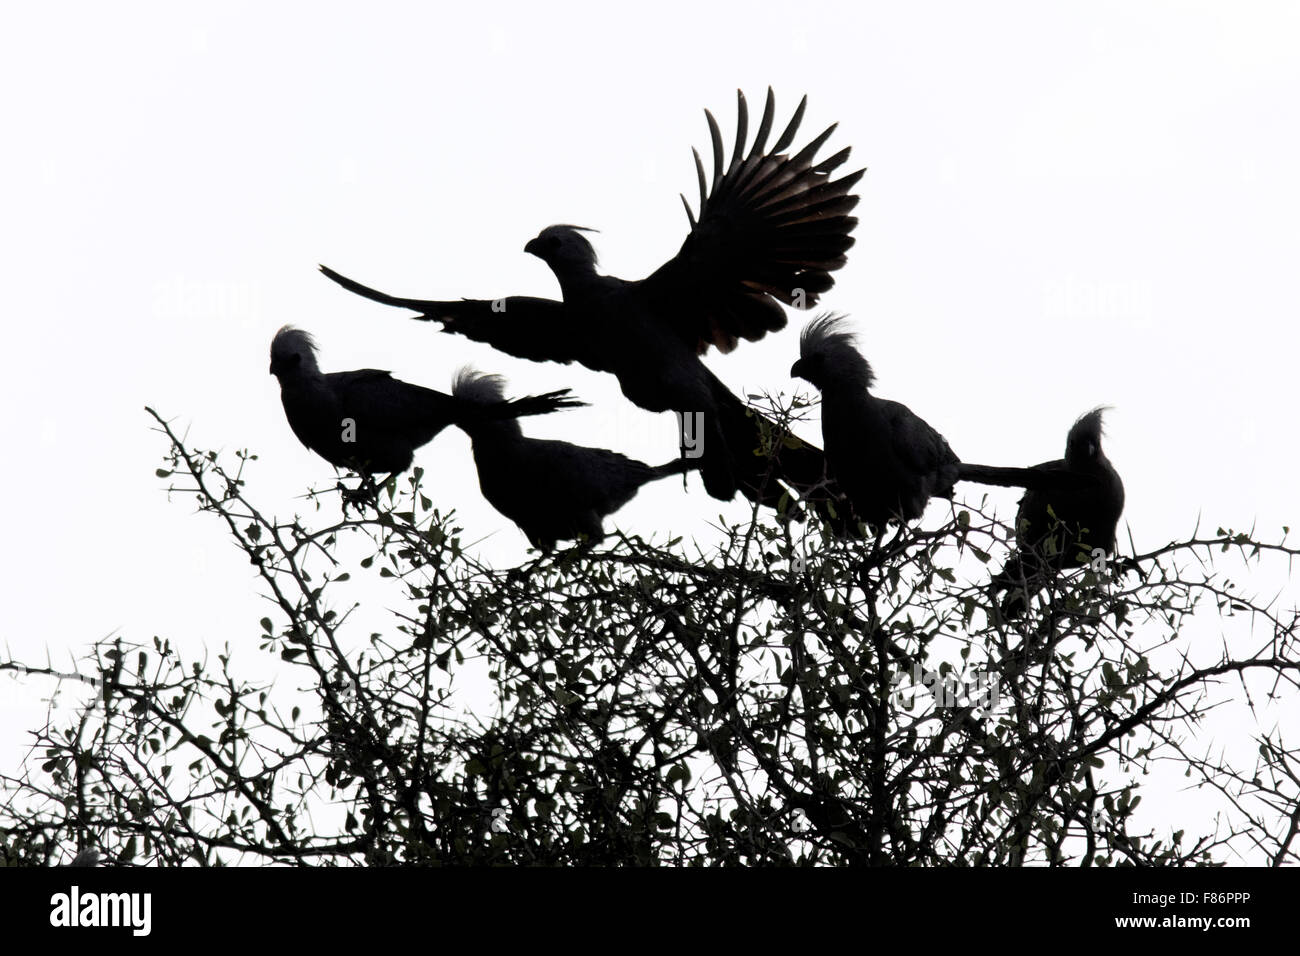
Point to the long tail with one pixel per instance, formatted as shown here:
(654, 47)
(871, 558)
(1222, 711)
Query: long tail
(534, 405)
(678, 466)
(746, 435)
(352, 285)
(767, 462)
(1037, 478)
(993, 475)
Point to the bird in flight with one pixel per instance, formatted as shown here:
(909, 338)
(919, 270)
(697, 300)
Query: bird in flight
(772, 227)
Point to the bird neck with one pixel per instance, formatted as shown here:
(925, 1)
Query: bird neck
(493, 431)
(302, 379)
(846, 393)
(1097, 465)
(575, 277)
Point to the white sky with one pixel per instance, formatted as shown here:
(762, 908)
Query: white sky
(1066, 205)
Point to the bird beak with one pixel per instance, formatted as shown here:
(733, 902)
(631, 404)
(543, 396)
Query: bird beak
(531, 248)
(796, 370)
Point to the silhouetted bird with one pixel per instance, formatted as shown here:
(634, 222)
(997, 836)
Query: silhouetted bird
(886, 459)
(1074, 509)
(366, 419)
(771, 229)
(552, 490)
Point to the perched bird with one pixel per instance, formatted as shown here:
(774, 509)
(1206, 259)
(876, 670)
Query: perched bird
(887, 460)
(1074, 509)
(552, 490)
(366, 419)
(772, 228)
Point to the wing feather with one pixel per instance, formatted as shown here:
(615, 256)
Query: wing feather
(538, 329)
(771, 228)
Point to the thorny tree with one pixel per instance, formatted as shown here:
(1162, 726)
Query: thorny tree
(771, 699)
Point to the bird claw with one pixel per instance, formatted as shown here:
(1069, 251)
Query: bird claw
(367, 493)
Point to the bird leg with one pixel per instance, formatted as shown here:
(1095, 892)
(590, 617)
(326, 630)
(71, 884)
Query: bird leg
(367, 493)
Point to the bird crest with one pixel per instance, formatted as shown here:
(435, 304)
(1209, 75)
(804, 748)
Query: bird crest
(827, 343)
(482, 388)
(1084, 441)
(293, 348)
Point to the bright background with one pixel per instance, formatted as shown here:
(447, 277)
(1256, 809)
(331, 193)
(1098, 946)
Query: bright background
(1066, 205)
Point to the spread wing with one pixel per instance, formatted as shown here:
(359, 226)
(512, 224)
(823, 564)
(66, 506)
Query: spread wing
(772, 228)
(528, 327)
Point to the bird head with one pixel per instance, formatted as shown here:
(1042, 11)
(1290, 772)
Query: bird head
(293, 354)
(564, 248)
(827, 356)
(1084, 442)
